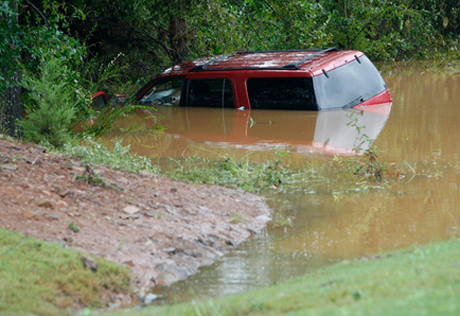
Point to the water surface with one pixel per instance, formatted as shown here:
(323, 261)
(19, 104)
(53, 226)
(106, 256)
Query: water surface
(420, 131)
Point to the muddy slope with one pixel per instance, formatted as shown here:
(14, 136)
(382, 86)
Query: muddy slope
(162, 229)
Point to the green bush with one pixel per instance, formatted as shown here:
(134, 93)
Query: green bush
(54, 98)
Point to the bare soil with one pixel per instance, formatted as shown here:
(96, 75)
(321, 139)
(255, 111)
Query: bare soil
(162, 229)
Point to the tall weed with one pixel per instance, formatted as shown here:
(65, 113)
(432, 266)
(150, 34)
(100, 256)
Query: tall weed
(367, 163)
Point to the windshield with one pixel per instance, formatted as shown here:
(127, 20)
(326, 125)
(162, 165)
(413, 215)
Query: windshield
(164, 93)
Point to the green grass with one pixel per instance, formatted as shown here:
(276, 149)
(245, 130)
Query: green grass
(355, 173)
(42, 278)
(119, 157)
(419, 281)
(240, 174)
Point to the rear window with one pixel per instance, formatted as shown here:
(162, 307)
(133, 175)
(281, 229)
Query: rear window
(348, 85)
(214, 93)
(281, 93)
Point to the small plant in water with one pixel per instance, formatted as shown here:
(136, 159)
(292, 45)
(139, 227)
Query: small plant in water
(280, 219)
(365, 164)
(369, 167)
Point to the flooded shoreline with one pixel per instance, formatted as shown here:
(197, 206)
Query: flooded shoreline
(420, 134)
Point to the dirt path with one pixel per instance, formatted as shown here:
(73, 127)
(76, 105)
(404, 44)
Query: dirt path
(162, 229)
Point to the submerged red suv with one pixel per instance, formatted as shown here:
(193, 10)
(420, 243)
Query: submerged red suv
(311, 80)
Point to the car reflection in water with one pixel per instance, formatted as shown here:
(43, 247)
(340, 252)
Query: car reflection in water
(335, 132)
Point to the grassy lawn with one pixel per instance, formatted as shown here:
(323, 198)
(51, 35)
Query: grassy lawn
(41, 278)
(416, 281)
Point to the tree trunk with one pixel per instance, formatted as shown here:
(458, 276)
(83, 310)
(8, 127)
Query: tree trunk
(10, 99)
(11, 107)
(178, 32)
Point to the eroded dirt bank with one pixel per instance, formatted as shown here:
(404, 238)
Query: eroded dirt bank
(162, 229)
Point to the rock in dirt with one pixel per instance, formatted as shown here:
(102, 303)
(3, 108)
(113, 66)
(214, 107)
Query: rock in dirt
(170, 273)
(39, 149)
(90, 264)
(43, 203)
(53, 216)
(170, 250)
(10, 167)
(131, 209)
(149, 298)
(61, 204)
(66, 165)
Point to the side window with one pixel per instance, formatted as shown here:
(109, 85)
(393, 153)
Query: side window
(281, 93)
(349, 85)
(164, 93)
(215, 93)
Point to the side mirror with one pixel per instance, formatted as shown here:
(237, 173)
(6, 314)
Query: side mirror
(100, 100)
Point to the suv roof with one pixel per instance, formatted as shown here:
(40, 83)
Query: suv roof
(313, 61)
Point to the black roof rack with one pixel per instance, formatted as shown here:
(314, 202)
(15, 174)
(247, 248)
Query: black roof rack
(304, 60)
(293, 66)
(277, 51)
(212, 61)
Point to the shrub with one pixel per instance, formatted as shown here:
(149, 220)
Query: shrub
(54, 97)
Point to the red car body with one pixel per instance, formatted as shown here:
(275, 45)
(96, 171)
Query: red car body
(288, 80)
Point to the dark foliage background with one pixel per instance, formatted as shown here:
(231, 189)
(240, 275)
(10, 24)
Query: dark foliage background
(107, 43)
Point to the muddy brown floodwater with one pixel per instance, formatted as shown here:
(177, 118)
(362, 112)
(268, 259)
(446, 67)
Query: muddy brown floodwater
(421, 131)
